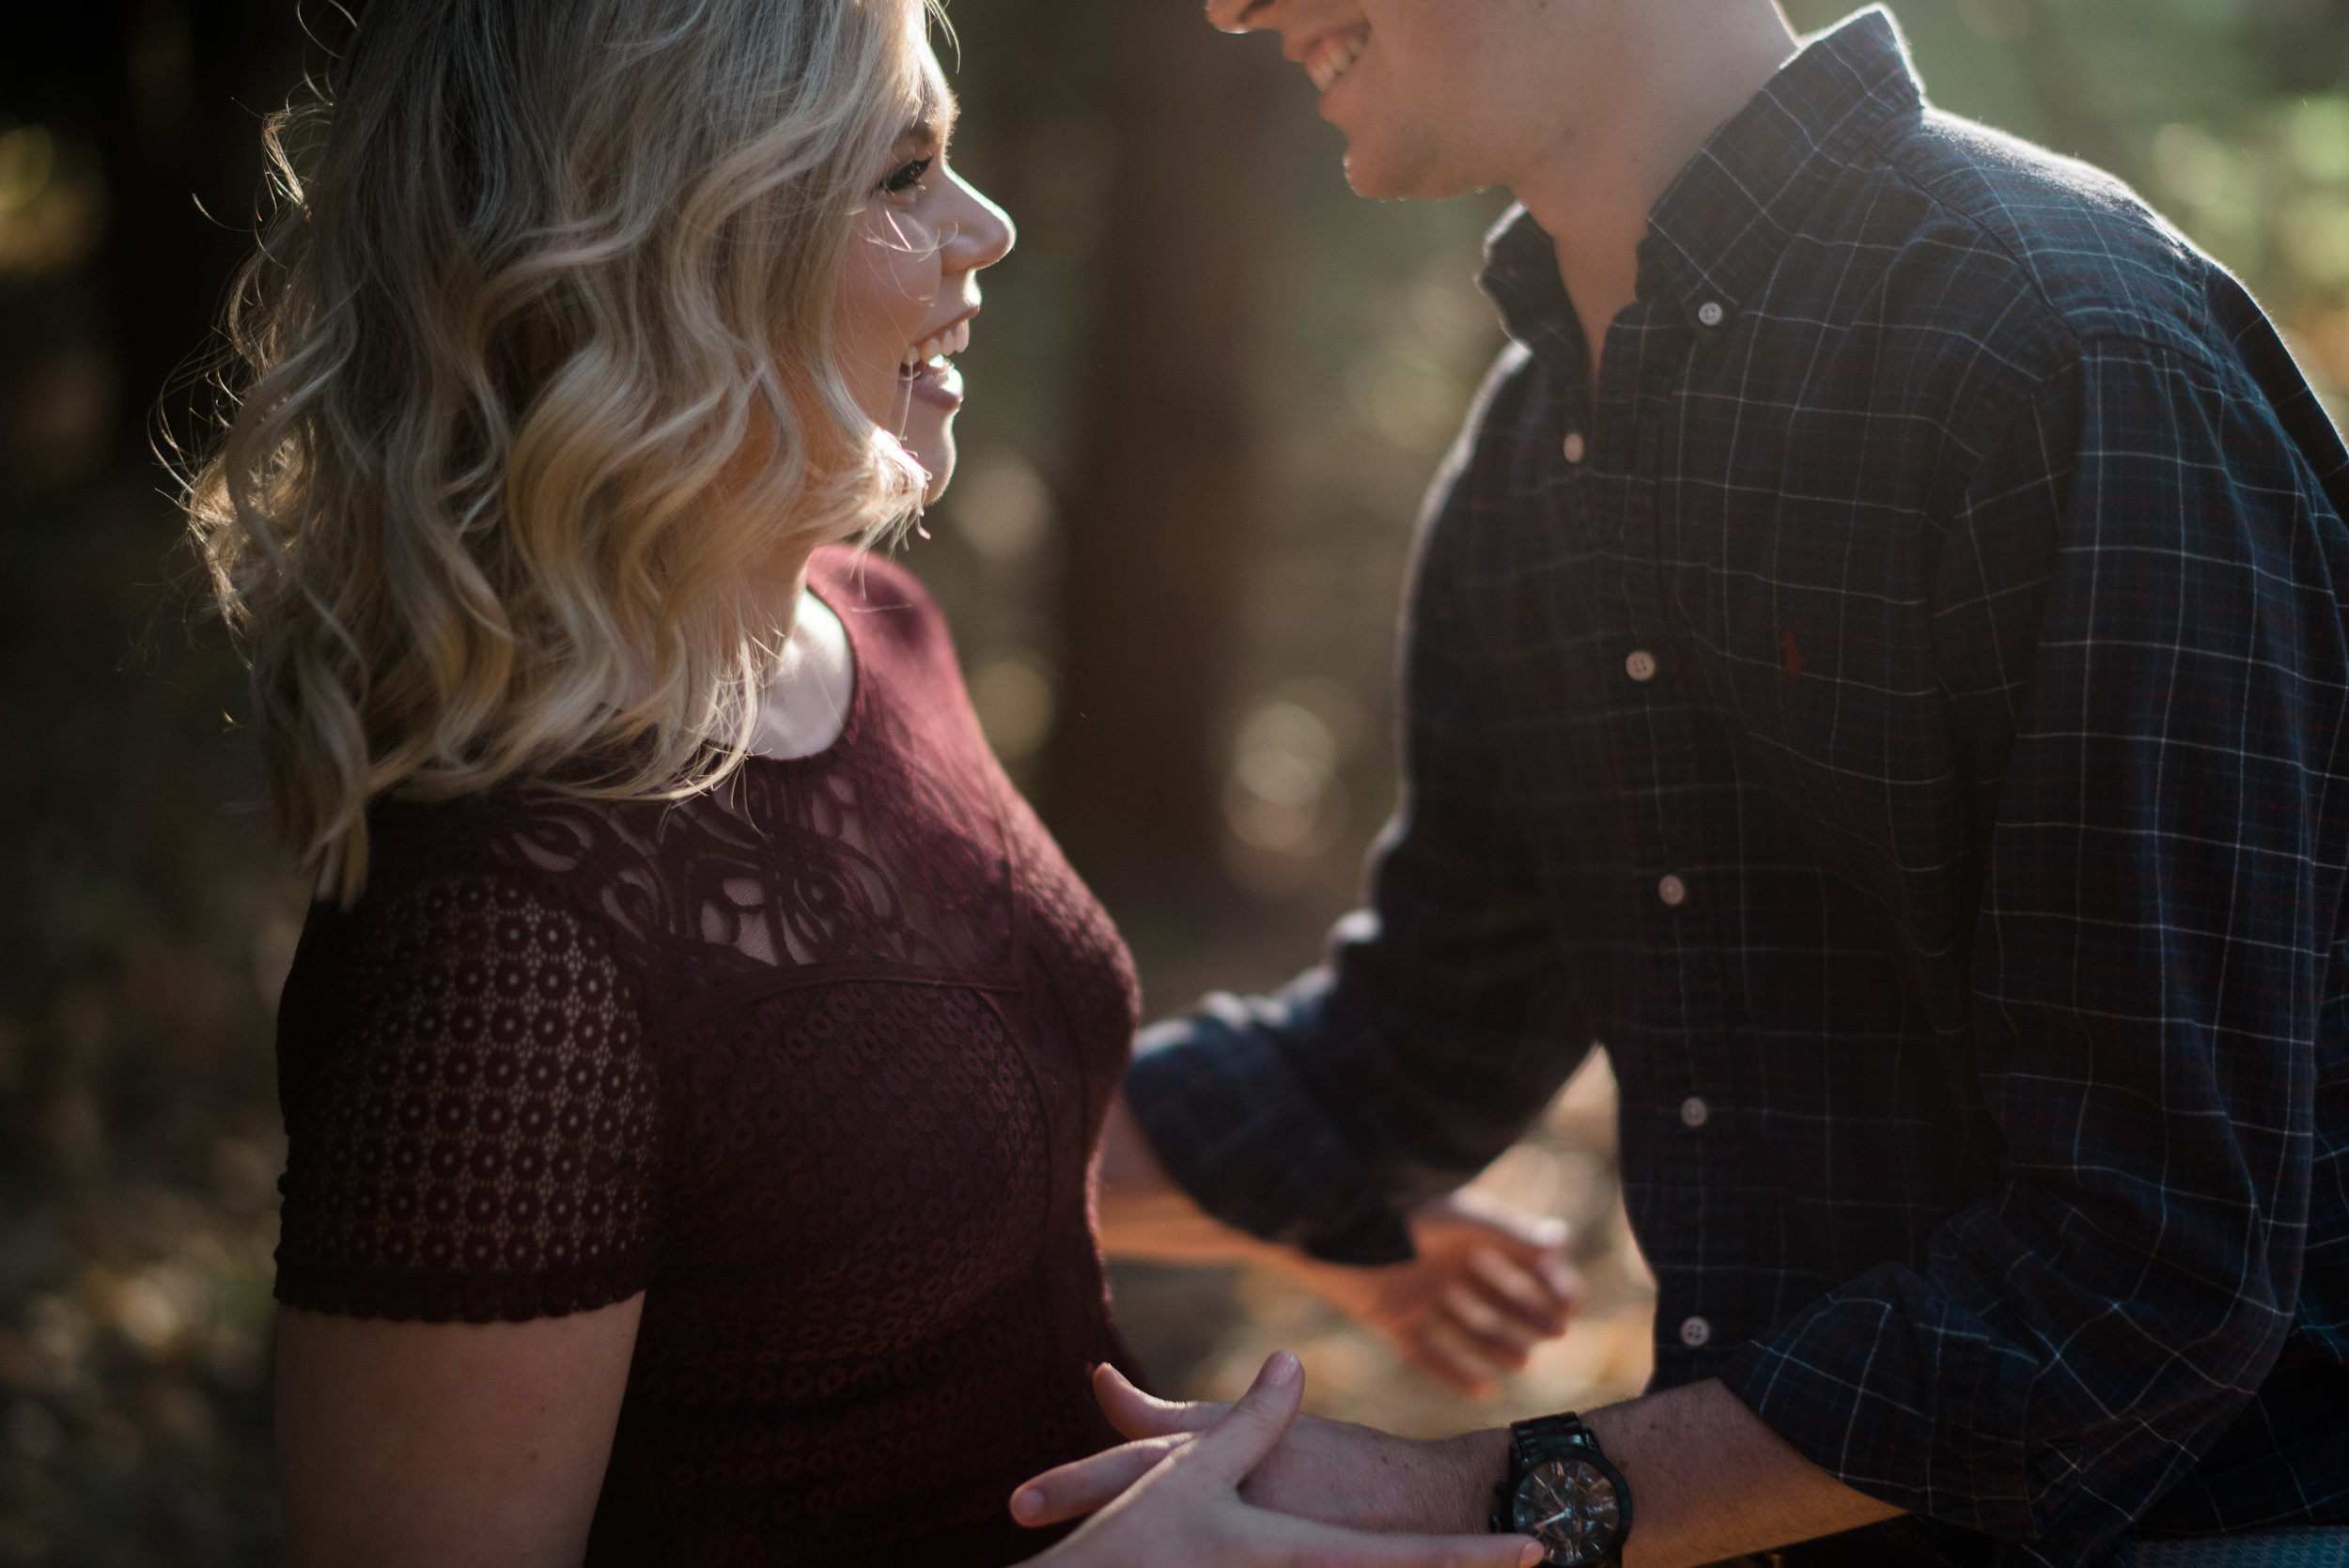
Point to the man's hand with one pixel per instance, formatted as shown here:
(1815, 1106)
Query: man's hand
(1333, 1472)
(1489, 1284)
(1175, 1498)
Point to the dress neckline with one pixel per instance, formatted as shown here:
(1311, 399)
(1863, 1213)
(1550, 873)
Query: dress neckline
(852, 725)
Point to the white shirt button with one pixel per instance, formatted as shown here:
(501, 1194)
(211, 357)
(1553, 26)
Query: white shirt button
(1673, 890)
(1710, 313)
(1695, 1112)
(1641, 665)
(1695, 1332)
(1576, 447)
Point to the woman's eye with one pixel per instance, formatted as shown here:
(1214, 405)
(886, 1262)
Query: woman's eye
(906, 178)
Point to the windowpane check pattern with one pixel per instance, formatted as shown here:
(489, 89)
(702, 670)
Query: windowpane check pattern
(1955, 879)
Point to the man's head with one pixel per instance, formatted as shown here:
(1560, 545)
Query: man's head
(1442, 97)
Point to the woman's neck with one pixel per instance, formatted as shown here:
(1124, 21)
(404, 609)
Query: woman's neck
(805, 703)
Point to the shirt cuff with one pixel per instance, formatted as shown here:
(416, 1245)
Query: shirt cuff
(1237, 1128)
(1892, 1389)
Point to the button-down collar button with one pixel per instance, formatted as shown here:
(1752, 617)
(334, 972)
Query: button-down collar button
(1641, 665)
(1695, 1112)
(1673, 890)
(1710, 313)
(1576, 447)
(1695, 1332)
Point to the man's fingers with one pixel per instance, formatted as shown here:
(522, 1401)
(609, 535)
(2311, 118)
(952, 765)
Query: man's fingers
(1497, 1336)
(1226, 1451)
(1135, 1414)
(1525, 1233)
(1444, 1353)
(1088, 1486)
(1524, 1291)
(1559, 1278)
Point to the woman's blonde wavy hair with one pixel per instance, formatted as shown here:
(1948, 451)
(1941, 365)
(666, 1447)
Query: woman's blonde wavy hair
(533, 374)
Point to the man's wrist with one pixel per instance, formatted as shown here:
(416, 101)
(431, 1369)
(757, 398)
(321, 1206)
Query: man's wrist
(1480, 1461)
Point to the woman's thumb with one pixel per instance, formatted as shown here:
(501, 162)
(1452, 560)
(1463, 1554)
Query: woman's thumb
(1236, 1445)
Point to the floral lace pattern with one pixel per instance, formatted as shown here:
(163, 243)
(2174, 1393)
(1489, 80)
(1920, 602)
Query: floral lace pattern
(815, 1061)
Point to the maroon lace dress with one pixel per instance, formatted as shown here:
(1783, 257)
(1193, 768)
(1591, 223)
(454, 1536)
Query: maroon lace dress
(818, 1062)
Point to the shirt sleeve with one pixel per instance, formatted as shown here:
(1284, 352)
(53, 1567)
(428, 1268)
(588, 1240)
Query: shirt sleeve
(2161, 873)
(478, 1140)
(1433, 1034)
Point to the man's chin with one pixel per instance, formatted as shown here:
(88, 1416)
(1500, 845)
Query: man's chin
(1403, 171)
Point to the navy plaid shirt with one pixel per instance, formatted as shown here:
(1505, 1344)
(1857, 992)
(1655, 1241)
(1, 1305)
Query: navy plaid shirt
(1901, 714)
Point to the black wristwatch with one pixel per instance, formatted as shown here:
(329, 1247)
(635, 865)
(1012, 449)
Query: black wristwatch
(1564, 1493)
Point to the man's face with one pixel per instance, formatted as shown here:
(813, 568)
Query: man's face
(1439, 97)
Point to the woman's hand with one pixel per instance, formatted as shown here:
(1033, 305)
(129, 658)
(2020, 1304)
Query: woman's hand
(1489, 1284)
(1332, 1472)
(1173, 1501)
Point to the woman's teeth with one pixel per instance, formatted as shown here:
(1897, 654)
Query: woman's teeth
(932, 351)
(1331, 56)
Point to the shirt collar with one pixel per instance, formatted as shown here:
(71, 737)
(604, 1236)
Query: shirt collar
(1721, 224)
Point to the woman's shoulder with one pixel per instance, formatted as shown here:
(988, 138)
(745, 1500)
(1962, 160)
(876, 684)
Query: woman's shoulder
(882, 604)
(456, 869)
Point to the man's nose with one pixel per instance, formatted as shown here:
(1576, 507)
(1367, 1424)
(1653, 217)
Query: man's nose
(1240, 16)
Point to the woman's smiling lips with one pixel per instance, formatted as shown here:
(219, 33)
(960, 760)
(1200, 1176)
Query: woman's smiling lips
(927, 372)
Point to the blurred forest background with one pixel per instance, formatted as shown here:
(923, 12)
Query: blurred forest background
(1206, 394)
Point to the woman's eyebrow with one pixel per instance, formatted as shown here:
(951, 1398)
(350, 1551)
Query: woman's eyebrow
(935, 120)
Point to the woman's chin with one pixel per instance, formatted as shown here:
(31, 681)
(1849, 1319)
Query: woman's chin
(937, 458)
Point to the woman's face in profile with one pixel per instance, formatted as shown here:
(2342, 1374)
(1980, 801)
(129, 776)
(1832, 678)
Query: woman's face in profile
(909, 286)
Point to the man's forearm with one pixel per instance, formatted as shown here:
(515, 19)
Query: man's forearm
(1142, 1213)
(1708, 1480)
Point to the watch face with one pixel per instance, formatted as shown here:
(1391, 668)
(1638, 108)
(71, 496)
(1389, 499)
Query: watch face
(1572, 1507)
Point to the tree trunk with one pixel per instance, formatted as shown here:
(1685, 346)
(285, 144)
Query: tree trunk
(1169, 482)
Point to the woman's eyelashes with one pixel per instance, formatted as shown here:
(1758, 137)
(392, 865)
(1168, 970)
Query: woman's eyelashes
(906, 177)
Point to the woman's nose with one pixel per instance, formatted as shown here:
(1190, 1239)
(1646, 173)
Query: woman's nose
(983, 232)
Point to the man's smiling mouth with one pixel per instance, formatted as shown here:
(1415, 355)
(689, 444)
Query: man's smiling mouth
(1332, 55)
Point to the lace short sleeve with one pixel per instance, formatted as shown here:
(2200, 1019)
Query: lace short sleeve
(478, 1140)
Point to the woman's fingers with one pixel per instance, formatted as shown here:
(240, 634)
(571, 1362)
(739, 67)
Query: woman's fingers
(1236, 1439)
(1343, 1548)
(1074, 1490)
(1236, 1444)
(1136, 1414)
